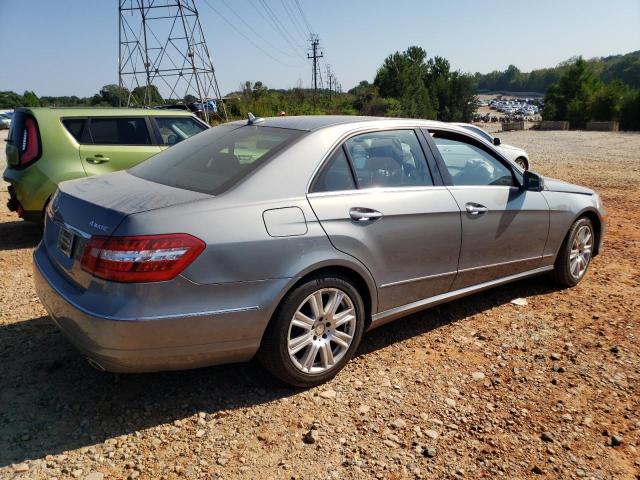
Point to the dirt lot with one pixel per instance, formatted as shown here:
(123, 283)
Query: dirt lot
(478, 388)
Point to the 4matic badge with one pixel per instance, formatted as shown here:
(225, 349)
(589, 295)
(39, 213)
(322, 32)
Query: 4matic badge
(104, 228)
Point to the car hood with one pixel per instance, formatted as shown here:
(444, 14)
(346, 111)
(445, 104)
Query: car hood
(554, 185)
(97, 205)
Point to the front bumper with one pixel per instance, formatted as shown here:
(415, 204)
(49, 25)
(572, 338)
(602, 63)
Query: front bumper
(145, 344)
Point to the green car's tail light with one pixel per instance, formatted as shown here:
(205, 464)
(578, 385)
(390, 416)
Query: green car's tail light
(30, 142)
(149, 258)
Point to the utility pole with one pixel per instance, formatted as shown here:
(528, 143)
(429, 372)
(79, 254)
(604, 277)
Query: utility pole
(316, 55)
(330, 78)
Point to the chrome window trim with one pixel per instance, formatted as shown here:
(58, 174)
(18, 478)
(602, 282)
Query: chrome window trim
(363, 191)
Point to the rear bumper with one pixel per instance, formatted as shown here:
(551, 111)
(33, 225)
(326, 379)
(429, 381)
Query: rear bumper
(14, 205)
(145, 344)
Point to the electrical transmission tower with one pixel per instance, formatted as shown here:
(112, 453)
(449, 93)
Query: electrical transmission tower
(163, 50)
(316, 55)
(331, 78)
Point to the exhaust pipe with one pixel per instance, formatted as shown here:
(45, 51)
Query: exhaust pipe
(95, 364)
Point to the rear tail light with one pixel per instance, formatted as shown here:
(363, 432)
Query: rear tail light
(149, 258)
(30, 142)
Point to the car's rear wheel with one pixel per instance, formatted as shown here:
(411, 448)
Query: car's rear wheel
(522, 162)
(575, 254)
(315, 331)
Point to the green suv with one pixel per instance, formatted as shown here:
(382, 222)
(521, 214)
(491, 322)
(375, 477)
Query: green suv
(49, 145)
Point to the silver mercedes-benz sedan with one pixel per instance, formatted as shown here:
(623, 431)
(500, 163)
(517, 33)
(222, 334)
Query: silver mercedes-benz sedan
(289, 237)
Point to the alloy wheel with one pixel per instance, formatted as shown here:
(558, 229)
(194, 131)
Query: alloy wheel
(581, 249)
(321, 330)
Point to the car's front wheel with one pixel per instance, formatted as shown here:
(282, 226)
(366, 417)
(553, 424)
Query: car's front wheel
(315, 331)
(575, 254)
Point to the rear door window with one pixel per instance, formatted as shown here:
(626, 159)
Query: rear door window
(217, 159)
(174, 130)
(336, 175)
(120, 131)
(392, 158)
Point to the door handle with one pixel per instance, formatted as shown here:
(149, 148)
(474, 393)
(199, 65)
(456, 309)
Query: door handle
(475, 209)
(364, 214)
(97, 159)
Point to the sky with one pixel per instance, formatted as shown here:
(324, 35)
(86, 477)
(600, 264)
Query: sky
(70, 47)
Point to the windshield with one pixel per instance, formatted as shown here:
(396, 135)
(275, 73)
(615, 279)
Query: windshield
(213, 161)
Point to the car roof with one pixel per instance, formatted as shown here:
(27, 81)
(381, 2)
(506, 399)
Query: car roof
(317, 122)
(103, 112)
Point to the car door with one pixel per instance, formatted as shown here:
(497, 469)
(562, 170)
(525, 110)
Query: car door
(116, 143)
(377, 200)
(504, 227)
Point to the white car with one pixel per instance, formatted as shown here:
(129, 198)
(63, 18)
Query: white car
(5, 120)
(515, 154)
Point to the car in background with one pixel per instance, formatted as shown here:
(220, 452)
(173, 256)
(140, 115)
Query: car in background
(289, 237)
(5, 120)
(49, 145)
(515, 154)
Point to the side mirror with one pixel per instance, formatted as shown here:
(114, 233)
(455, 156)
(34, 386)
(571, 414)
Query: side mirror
(533, 181)
(496, 141)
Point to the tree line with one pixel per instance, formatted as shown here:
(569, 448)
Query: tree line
(623, 68)
(409, 84)
(580, 95)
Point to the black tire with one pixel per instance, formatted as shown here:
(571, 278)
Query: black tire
(522, 162)
(274, 352)
(562, 269)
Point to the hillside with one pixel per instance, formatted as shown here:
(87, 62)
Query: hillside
(625, 68)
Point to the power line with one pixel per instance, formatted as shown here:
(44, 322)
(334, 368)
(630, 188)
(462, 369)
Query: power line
(304, 17)
(294, 20)
(248, 39)
(281, 28)
(253, 31)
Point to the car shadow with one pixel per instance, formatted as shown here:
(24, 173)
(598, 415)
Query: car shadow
(53, 401)
(19, 234)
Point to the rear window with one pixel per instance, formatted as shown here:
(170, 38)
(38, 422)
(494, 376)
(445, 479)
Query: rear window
(174, 130)
(217, 159)
(120, 131)
(76, 127)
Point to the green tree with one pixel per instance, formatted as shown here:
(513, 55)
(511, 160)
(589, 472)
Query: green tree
(402, 77)
(30, 99)
(571, 96)
(607, 101)
(10, 99)
(112, 95)
(630, 111)
(143, 96)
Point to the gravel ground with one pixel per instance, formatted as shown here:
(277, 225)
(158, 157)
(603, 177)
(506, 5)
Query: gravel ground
(478, 388)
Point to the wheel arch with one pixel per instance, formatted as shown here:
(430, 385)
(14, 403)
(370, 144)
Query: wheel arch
(359, 276)
(597, 227)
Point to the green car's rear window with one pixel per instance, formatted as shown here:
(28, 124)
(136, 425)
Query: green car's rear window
(213, 161)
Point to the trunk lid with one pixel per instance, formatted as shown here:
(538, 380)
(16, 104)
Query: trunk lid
(95, 206)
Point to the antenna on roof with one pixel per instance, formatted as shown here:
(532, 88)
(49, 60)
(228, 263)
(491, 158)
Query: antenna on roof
(252, 119)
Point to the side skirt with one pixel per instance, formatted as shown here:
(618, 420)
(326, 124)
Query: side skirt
(387, 316)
